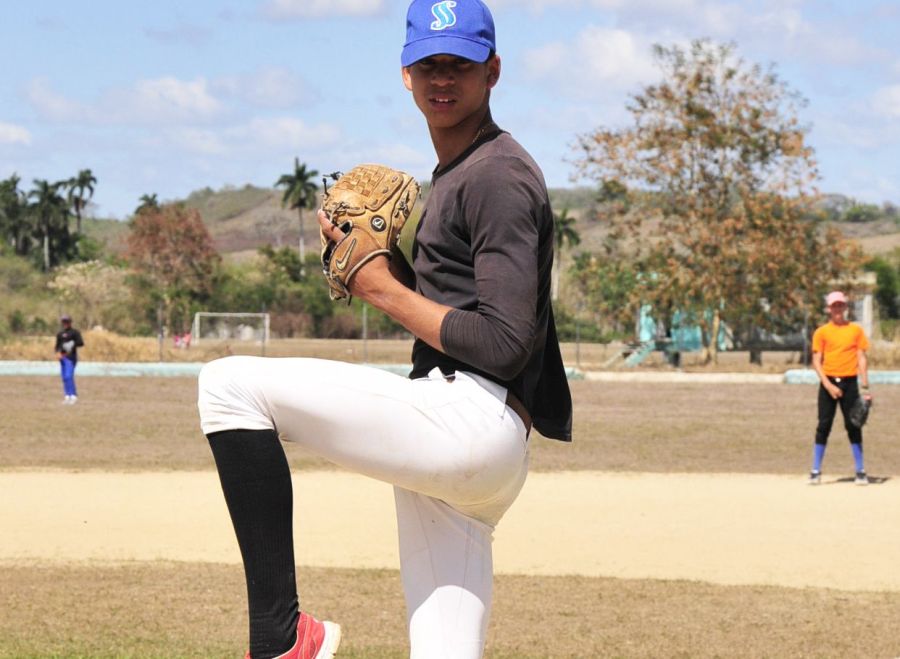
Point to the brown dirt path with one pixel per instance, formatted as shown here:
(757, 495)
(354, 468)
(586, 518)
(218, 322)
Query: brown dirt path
(717, 528)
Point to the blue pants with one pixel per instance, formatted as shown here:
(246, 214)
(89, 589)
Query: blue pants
(67, 370)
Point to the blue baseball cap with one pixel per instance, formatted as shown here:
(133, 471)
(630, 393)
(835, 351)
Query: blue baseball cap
(464, 28)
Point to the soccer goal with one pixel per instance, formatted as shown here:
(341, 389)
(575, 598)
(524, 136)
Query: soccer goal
(227, 326)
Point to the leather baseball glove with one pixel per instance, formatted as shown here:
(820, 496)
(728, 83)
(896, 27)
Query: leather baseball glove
(370, 204)
(859, 413)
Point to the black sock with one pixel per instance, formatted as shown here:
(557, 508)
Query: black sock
(256, 482)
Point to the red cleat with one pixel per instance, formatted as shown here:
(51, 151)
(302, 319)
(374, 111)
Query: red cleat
(315, 640)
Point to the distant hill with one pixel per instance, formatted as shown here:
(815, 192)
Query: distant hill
(238, 219)
(241, 219)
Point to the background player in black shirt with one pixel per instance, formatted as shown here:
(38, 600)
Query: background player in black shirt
(68, 341)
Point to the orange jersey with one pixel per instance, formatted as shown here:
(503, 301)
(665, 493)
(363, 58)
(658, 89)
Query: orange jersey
(840, 346)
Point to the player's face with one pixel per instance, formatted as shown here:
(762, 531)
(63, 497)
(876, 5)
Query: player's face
(837, 310)
(449, 89)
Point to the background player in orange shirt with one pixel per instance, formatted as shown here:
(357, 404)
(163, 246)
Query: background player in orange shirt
(839, 357)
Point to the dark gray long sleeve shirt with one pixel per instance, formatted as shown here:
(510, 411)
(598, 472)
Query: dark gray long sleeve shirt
(484, 246)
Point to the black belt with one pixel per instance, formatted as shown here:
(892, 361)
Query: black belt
(848, 378)
(516, 406)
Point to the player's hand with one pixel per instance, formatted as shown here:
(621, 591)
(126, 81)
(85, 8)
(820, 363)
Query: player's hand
(370, 278)
(834, 391)
(373, 278)
(329, 230)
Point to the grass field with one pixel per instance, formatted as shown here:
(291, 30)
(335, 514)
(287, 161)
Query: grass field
(166, 609)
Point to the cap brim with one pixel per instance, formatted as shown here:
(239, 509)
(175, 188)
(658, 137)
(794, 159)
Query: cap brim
(443, 45)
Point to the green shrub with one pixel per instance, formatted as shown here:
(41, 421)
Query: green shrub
(570, 327)
(17, 322)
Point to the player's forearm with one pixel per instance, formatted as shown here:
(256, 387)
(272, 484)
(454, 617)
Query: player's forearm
(421, 316)
(817, 366)
(863, 369)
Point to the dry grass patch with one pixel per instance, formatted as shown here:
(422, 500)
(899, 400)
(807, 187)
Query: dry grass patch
(152, 424)
(193, 610)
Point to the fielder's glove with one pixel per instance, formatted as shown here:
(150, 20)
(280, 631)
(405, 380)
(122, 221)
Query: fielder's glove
(859, 413)
(370, 204)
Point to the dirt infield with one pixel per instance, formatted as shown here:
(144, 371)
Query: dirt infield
(678, 522)
(725, 528)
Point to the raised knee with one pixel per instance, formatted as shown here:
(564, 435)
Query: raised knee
(219, 372)
(212, 374)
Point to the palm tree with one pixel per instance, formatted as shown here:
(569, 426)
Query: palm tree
(51, 211)
(563, 233)
(15, 223)
(300, 193)
(81, 189)
(149, 202)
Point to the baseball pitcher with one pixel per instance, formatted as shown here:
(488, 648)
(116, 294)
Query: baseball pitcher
(453, 437)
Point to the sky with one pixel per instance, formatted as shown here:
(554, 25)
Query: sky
(168, 97)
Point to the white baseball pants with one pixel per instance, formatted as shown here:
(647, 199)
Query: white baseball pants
(455, 453)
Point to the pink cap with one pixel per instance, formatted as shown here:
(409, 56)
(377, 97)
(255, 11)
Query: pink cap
(835, 296)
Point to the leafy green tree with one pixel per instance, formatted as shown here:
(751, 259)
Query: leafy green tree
(15, 221)
(887, 287)
(564, 235)
(51, 212)
(891, 211)
(859, 213)
(300, 194)
(301, 293)
(284, 261)
(719, 180)
(607, 286)
(81, 190)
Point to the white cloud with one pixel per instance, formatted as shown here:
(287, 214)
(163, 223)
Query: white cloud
(284, 132)
(778, 28)
(599, 58)
(12, 134)
(844, 132)
(51, 105)
(198, 141)
(276, 88)
(154, 101)
(171, 98)
(886, 101)
(644, 12)
(257, 137)
(289, 9)
(645, 5)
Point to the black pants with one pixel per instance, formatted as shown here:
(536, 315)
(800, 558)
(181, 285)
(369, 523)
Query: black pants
(828, 408)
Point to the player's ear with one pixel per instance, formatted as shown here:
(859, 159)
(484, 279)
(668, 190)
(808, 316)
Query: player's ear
(493, 71)
(407, 78)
